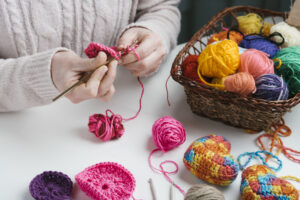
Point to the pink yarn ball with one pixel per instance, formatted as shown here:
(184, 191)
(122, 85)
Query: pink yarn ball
(256, 63)
(105, 127)
(168, 133)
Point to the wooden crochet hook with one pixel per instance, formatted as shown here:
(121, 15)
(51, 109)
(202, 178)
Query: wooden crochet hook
(88, 74)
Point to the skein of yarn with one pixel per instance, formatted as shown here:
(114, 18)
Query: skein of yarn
(189, 67)
(256, 63)
(233, 35)
(291, 34)
(251, 23)
(218, 60)
(287, 65)
(260, 43)
(203, 192)
(168, 133)
(271, 87)
(242, 83)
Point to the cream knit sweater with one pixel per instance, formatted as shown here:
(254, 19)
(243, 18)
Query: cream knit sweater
(32, 31)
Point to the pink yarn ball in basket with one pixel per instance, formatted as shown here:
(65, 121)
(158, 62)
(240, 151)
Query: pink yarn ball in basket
(106, 181)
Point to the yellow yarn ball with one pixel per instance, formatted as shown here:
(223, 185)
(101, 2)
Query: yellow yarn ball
(218, 81)
(219, 60)
(267, 28)
(251, 23)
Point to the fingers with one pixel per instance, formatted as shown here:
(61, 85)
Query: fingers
(109, 94)
(90, 89)
(108, 80)
(147, 46)
(148, 65)
(91, 64)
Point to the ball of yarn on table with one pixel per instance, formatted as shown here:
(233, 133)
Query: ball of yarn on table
(271, 87)
(203, 192)
(189, 67)
(290, 34)
(106, 127)
(251, 23)
(168, 133)
(256, 63)
(233, 35)
(219, 60)
(260, 43)
(289, 68)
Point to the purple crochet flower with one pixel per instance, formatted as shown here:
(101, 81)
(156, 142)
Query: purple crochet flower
(51, 185)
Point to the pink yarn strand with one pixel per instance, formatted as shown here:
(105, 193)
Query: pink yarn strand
(163, 171)
(140, 102)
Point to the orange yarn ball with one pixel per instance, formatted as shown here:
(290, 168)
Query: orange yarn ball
(233, 35)
(189, 67)
(242, 83)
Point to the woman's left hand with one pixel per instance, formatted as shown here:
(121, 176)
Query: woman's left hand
(151, 51)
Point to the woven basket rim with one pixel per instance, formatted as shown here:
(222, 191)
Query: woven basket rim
(282, 105)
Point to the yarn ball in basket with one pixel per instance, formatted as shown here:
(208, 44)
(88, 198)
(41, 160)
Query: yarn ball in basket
(51, 185)
(260, 43)
(168, 133)
(106, 181)
(106, 127)
(290, 34)
(251, 23)
(203, 192)
(219, 60)
(241, 82)
(209, 159)
(260, 183)
(189, 67)
(256, 63)
(267, 28)
(271, 87)
(287, 65)
(233, 35)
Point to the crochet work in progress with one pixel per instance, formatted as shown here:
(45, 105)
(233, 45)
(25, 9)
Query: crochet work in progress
(110, 126)
(106, 181)
(209, 159)
(51, 185)
(260, 183)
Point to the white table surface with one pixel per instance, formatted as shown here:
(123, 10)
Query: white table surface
(56, 137)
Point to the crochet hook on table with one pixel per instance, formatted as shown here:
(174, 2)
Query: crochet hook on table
(88, 74)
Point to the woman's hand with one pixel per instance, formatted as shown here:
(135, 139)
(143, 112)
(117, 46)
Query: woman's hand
(151, 51)
(67, 68)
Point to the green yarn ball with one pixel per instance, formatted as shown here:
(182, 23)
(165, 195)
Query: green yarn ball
(290, 68)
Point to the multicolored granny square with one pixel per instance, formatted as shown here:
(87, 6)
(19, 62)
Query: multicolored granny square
(209, 159)
(260, 183)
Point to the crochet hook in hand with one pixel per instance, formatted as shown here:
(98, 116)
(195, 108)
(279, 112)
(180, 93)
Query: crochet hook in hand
(88, 74)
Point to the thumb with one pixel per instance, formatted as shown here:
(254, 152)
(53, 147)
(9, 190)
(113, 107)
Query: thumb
(89, 64)
(126, 39)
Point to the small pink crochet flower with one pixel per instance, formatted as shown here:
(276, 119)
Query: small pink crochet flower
(106, 181)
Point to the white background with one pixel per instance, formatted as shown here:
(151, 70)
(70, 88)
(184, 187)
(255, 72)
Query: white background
(56, 137)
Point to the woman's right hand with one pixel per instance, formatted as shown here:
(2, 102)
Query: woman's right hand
(67, 68)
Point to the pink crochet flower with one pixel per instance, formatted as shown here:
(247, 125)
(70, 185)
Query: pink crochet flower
(106, 181)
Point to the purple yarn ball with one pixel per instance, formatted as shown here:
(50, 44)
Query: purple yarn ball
(271, 87)
(260, 43)
(51, 185)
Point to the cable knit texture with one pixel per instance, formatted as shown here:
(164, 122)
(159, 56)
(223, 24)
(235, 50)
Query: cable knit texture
(33, 31)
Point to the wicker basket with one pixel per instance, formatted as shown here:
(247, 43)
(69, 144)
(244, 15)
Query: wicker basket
(230, 108)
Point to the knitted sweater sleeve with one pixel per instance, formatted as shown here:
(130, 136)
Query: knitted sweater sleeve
(160, 16)
(26, 81)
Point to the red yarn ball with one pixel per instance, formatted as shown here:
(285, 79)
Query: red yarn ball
(189, 67)
(105, 127)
